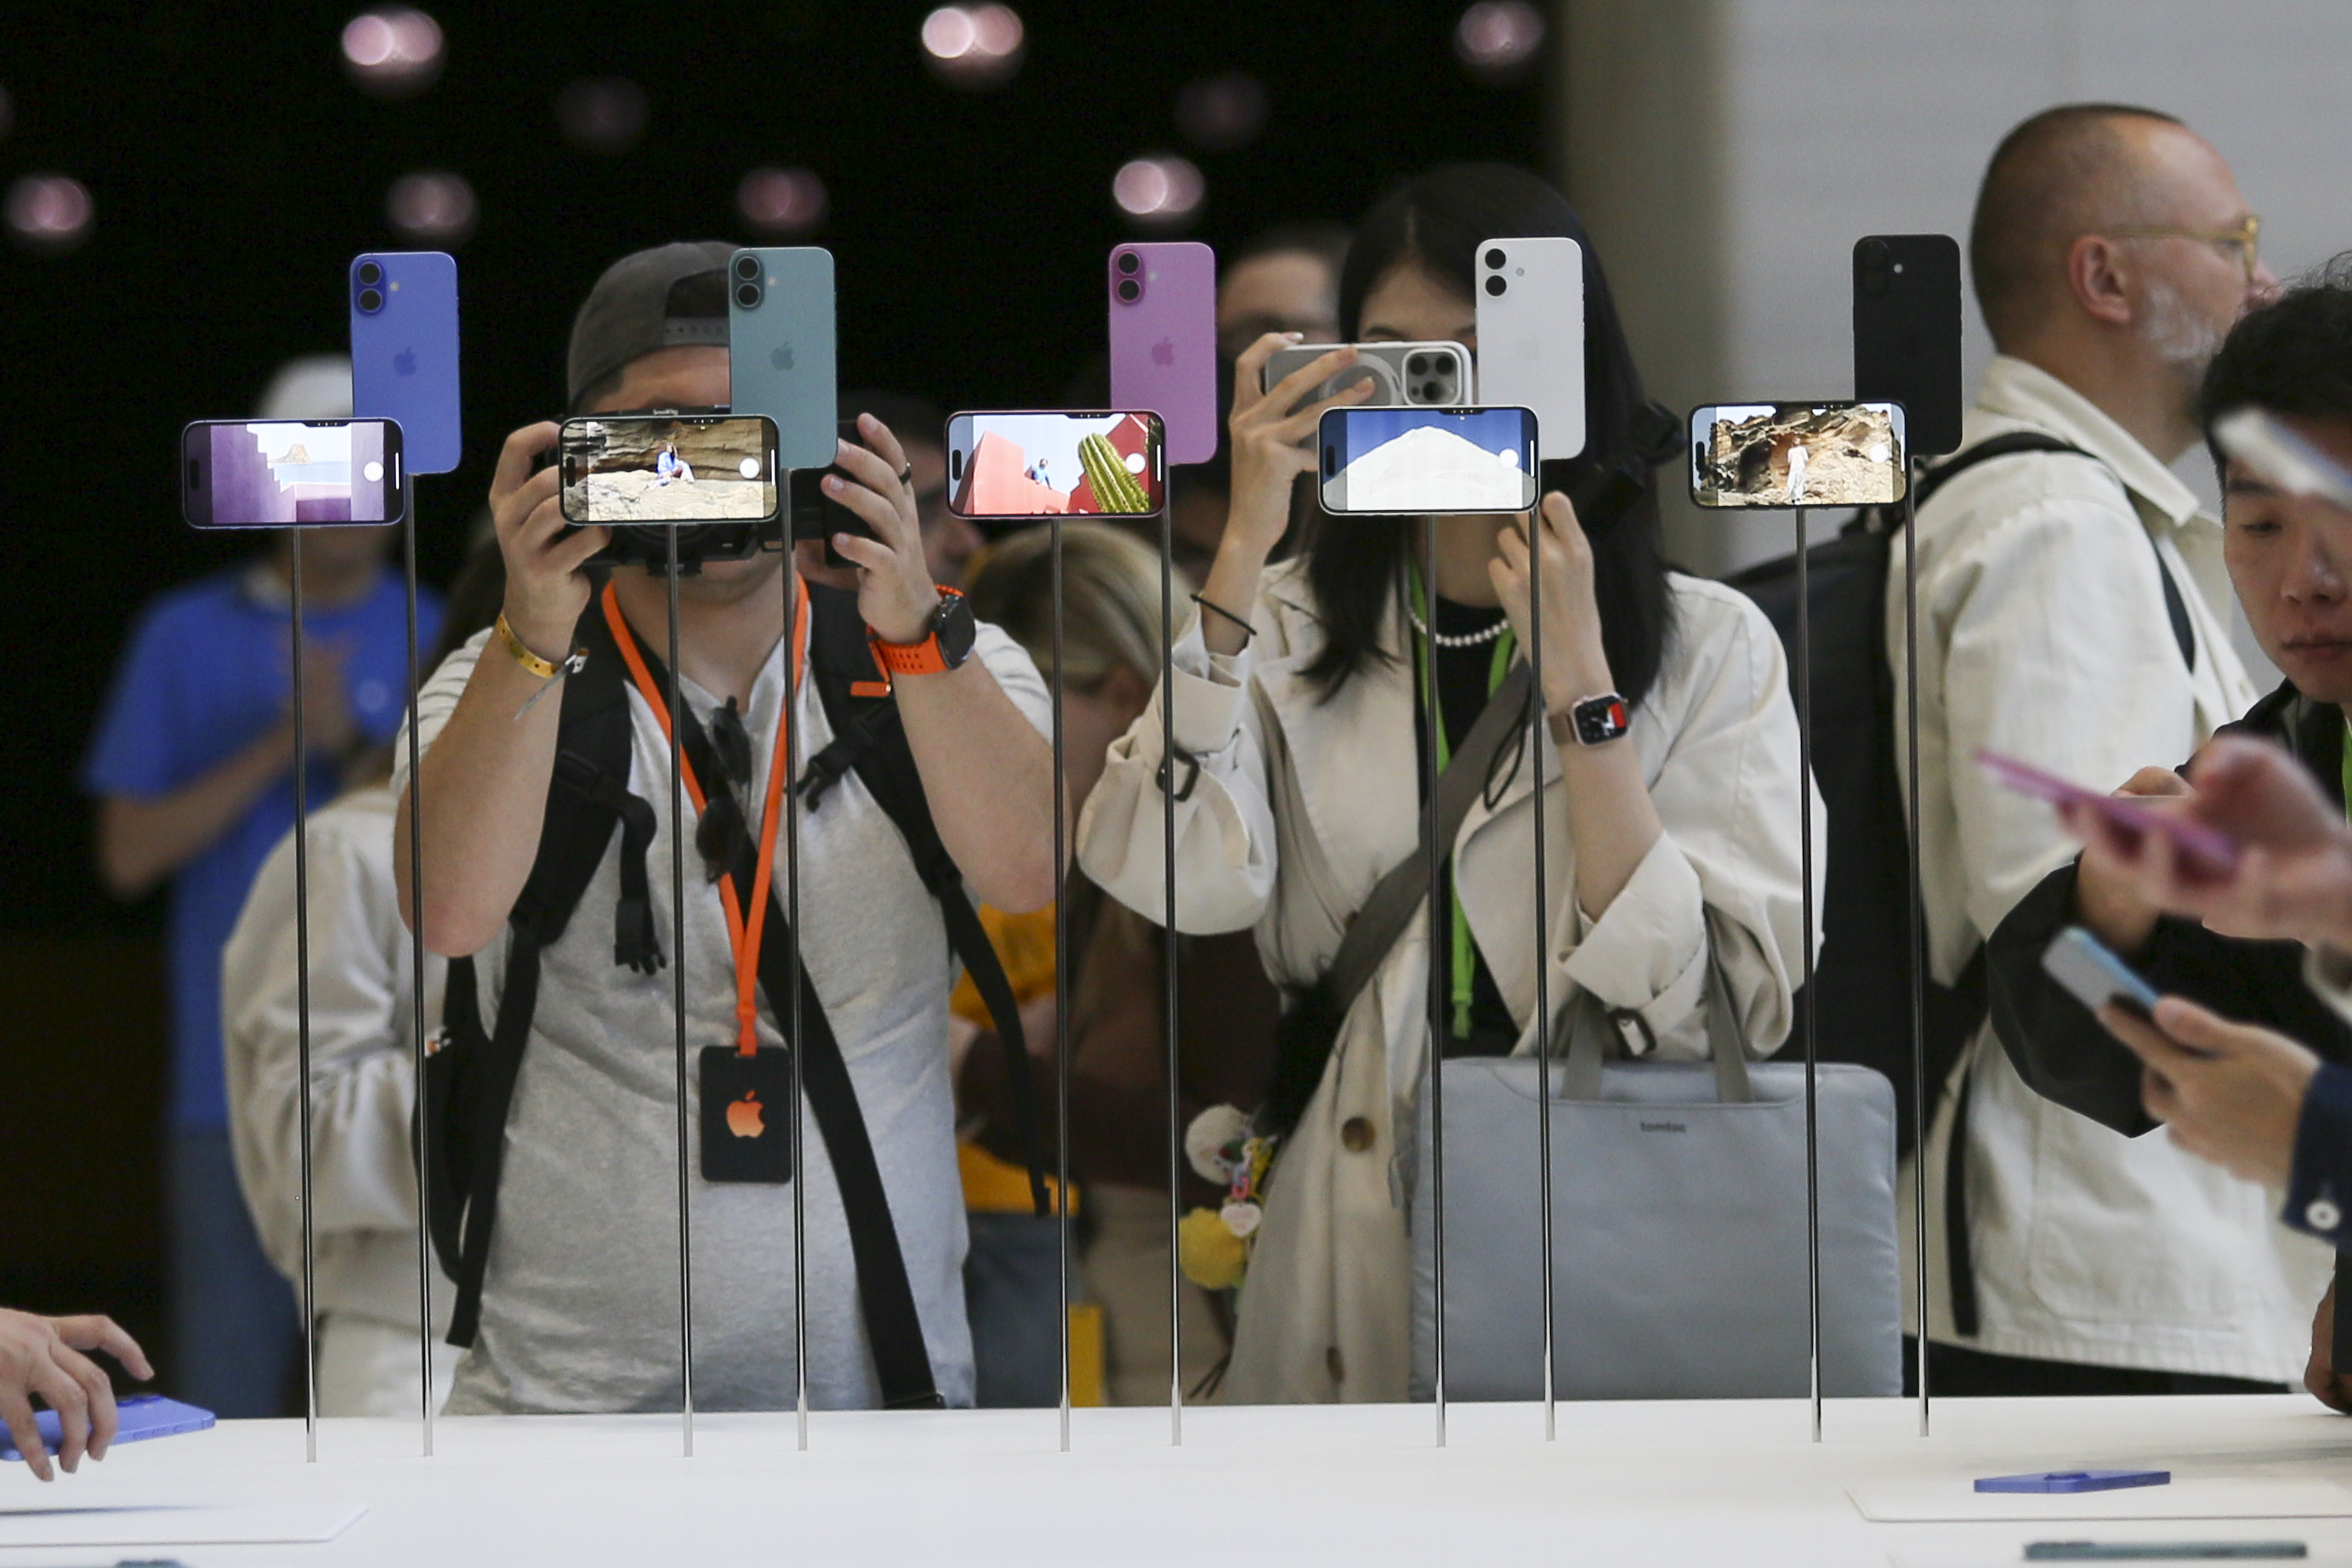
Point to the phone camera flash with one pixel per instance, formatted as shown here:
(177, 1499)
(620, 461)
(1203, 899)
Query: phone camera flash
(371, 471)
(748, 467)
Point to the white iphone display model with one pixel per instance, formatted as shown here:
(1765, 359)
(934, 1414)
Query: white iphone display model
(1531, 335)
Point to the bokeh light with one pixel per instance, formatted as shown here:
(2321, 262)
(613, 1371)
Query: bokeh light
(1159, 192)
(49, 213)
(432, 205)
(782, 203)
(974, 45)
(392, 51)
(602, 113)
(1222, 113)
(1496, 40)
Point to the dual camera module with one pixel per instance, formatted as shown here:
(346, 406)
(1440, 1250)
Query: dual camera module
(371, 280)
(1875, 267)
(1129, 287)
(747, 282)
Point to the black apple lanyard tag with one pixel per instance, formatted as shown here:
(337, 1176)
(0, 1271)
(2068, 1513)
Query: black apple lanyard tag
(747, 1115)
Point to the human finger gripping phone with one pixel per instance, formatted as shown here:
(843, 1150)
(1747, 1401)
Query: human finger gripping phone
(1797, 454)
(780, 348)
(2215, 850)
(625, 469)
(404, 311)
(1416, 461)
(1433, 375)
(137, 1418)
(1906, 332)
(2095, 976)
(1041, 464)
(1531, 334)
(291, 473)
(1163, 340)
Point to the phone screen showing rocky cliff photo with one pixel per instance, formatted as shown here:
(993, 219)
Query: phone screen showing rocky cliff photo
(1040, 465)
(1413, 461)
(1797, 454)
(622, 469)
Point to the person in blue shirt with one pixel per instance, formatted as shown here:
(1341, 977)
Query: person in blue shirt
(193, 769)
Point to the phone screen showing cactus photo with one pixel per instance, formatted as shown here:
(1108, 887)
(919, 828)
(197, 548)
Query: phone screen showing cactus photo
(1039, 465)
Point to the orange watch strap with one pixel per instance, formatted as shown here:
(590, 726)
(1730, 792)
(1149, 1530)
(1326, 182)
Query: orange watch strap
(912, 657)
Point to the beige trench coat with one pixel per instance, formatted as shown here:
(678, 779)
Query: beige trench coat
(1301, 804)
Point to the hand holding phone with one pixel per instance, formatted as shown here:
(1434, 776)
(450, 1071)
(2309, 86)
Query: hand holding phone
(2217, 852)
(2095, 976)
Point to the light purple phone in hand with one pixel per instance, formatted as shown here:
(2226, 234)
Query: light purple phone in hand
(2217, 850)
(1163, 340)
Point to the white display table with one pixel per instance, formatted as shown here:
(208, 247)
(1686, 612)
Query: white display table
(1650, 1484)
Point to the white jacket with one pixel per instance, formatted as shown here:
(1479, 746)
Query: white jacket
(363, 1076)
(2044, 634)
(1301, 804)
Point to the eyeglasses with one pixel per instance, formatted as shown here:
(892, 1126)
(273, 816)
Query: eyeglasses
(2244, 239)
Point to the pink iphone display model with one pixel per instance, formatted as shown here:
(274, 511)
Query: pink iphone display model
(1163, 340)
(2218, 850)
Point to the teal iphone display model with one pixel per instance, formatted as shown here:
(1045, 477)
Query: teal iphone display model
(780, 348)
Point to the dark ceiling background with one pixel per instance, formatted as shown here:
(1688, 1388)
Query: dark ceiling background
(235, 169)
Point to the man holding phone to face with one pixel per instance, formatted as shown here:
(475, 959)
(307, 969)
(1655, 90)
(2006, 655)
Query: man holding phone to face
(2196, 932)
(2072, 615)
(579, 1302)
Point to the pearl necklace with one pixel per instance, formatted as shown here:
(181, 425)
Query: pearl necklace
(1458, 640)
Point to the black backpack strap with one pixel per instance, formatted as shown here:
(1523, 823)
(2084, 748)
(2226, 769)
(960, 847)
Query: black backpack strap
(2176, 608)
(471, 1078)
(869, 739)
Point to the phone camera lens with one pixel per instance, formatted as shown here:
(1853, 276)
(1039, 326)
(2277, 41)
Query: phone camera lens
(369, 301)
(1128, 261)
(748, 296)
(1129, 290)
(1494, 258)
(1433, 392)
(747, 268)
(1496, 285)
(1417, 364)
(369, 273)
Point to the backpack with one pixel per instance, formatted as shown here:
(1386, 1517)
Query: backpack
(471, 1071)
(1862, 977)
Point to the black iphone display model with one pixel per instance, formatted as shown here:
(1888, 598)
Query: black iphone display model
(1906, 333)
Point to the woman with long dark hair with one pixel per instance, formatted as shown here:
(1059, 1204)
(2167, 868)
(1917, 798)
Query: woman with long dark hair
(1299, 695)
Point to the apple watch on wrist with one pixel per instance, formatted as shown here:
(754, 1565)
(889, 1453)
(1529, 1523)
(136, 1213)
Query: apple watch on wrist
(1594, 721)
(951, 632)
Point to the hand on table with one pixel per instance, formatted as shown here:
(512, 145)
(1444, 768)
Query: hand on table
(45, 1356)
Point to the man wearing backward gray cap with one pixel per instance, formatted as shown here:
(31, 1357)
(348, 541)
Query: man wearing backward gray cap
(578, 1284)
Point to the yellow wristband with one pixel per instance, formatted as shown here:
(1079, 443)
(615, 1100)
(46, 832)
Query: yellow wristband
(546, 669)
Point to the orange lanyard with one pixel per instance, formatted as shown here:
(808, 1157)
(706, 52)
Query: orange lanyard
(742, 934)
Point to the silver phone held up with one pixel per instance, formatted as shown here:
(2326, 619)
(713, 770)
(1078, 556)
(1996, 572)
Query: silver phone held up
(1414, 374)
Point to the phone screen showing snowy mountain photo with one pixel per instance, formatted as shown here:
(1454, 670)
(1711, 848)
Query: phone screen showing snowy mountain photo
(1411, 461)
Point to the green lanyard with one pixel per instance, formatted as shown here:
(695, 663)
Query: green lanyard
(1505, 645)
(2346, 769)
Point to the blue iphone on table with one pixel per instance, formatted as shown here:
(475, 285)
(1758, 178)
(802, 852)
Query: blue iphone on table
(403, 306)
(780, 348)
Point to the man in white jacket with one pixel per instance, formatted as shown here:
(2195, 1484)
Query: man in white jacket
(2068, 615)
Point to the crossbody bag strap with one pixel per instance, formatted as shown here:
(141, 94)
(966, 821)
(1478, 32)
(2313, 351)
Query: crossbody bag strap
(485, 1127)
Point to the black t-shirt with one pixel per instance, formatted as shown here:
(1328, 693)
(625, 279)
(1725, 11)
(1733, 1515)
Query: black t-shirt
(1463, 676)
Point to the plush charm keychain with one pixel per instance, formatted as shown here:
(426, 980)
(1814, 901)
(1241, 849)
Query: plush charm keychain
(1213, 1244)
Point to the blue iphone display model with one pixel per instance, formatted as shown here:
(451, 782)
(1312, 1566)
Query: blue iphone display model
(139, 1418)
(780, 348)
(404, 352)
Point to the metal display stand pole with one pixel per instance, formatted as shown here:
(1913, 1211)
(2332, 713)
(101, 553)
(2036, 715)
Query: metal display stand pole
(302, 1014)
(1813, 1001)
(1435, 1089)
(791, 800)
(416, 1021)
(1061, 991)
(1538, 738)
(1918, 932)
(1168, 968)
(677, 831)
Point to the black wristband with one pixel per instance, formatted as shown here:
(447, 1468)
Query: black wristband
(1249, 632)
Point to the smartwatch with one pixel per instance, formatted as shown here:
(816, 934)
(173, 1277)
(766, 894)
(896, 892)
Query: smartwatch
(1594, 722)
(953, 630)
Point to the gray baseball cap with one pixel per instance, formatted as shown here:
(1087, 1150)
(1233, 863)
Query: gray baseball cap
(628, 314)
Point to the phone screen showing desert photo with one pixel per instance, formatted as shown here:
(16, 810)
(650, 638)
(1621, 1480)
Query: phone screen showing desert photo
(1411, 461)
(1797, 454)
(658, 469)
(287, 472)
(1039, 465)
